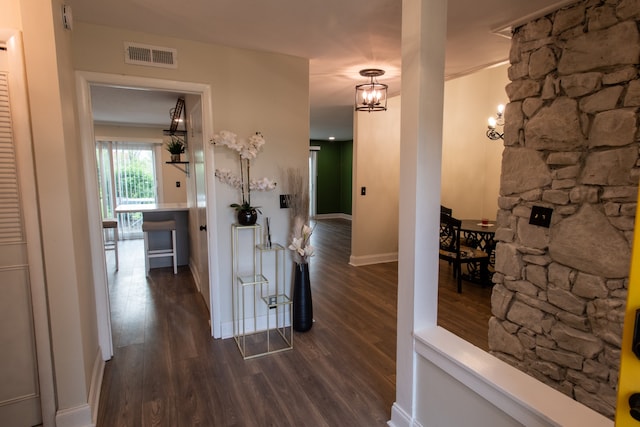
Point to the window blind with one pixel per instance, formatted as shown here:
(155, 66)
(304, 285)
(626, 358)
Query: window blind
(11, 227)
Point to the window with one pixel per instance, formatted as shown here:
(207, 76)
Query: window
(126, 176)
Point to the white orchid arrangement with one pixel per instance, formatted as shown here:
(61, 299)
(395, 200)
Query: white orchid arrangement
(247, 150)
(298, 190)
(301, 245)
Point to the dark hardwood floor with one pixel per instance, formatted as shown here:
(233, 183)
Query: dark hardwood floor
(168, 371)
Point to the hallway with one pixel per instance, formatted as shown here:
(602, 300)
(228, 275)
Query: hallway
(168, 371)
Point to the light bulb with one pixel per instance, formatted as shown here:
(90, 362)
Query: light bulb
(492, 123)
(500, 110)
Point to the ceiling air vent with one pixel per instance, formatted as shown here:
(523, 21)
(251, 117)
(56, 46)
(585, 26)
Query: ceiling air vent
(152, 56)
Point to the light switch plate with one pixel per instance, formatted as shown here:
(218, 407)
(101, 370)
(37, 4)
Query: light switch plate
(540, 216)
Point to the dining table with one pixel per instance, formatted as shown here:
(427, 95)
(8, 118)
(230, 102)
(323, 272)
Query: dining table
(479, 234)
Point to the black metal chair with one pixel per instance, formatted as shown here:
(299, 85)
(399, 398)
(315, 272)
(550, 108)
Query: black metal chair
(451, 250)
(446, 210)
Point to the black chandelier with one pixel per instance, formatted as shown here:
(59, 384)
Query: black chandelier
(371, 96)
(498, 120)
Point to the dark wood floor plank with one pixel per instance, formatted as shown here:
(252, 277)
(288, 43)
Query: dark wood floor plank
(168, 371)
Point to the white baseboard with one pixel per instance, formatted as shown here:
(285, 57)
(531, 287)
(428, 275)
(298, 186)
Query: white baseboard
(261, 325)
(85, 415)
(358, 261)
(96, 386)
(80, 416)
(333, 216)
(399, 417)
(195, 274)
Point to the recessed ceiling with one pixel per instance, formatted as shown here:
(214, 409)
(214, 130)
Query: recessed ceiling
(338, 37)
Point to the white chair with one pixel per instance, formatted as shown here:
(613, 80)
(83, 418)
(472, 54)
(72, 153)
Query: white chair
(156, 226)
(111, 239)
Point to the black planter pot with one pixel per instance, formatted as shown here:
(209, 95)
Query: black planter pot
(302, 304)
(247, 217)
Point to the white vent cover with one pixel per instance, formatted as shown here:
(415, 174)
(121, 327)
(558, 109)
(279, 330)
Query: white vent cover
(152, 56)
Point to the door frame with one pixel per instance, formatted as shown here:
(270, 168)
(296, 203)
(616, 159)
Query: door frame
(84, 81)
(21, 129)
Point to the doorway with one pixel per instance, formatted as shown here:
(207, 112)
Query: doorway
(85, 81)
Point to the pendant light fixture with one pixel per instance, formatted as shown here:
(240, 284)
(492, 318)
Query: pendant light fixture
(371, 96)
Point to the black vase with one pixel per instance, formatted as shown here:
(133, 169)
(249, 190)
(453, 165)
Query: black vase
(302, 305)
(247, 216)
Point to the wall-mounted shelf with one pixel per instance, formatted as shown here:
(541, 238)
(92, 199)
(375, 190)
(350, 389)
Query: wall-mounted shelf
(184, 169)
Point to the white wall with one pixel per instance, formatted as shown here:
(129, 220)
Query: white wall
(376, 166)
(471, 162)
(61, 199)
(251, 91)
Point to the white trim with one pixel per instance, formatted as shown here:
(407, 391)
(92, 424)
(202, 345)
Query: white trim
(103, 138)
(80, 416)
(96, 386)
(195, 273)
(227, 330)
(399, 417)
(334, 216)
(358, 261)
(21, 121)
(517, 394)
(85, 79)
(98, 261)
(260, 323)
(157, 172)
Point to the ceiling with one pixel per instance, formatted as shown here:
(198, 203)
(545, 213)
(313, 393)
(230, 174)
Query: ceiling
(339, 37)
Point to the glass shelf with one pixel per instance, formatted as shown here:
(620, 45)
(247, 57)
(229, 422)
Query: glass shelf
(274, 247)
(255, 279)
(276, 300)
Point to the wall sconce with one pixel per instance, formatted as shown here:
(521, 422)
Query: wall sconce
(371, 96)
(498, 120)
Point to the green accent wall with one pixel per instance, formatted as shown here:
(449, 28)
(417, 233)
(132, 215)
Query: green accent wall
(334, 180)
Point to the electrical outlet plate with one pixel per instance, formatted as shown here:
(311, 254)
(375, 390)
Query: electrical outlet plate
(540, 216)
(284, 201)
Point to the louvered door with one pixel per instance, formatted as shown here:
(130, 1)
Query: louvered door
(19, 391)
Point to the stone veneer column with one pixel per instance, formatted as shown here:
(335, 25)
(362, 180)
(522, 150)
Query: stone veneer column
(571, 144)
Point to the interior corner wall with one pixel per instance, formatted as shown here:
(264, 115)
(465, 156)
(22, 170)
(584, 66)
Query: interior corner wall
(376, 160)
(470, 161)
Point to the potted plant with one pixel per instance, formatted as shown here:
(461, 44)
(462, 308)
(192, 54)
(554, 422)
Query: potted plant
(175, 147)
(247, 149)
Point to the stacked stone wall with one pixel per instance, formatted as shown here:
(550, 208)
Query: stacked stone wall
(571, 144)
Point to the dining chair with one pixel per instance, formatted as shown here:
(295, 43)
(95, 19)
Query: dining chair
(446, 210)
(457, 254)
